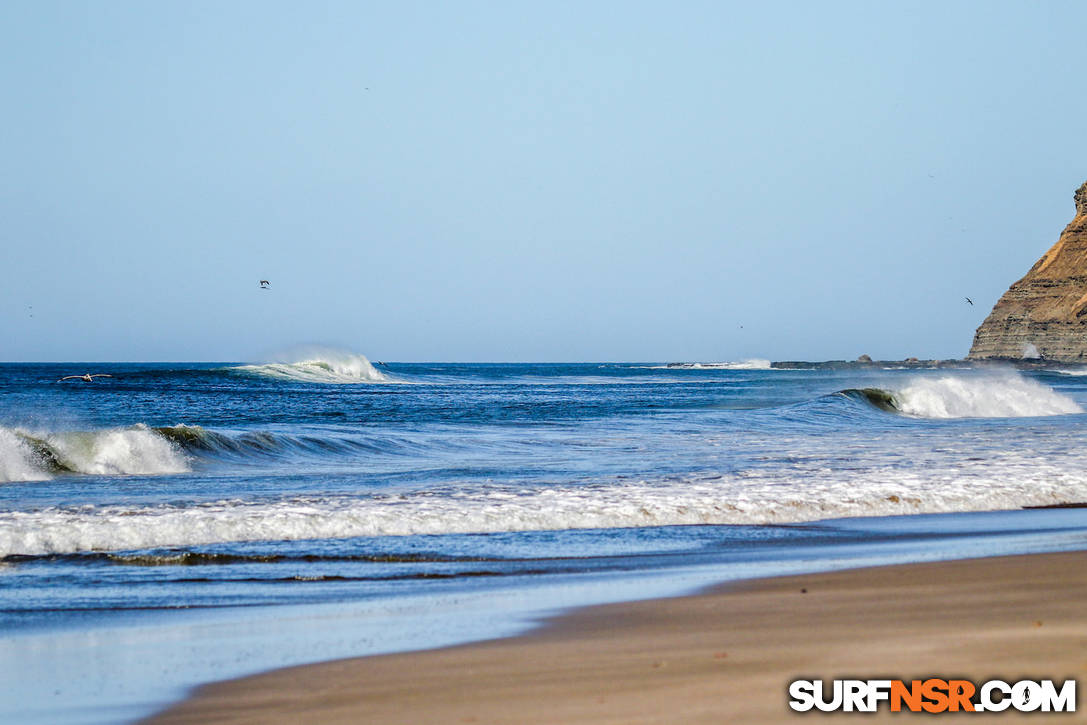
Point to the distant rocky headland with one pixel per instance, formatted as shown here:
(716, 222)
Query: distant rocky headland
(1043, 316)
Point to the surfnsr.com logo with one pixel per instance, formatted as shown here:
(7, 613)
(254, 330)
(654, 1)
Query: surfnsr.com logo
(932, 695)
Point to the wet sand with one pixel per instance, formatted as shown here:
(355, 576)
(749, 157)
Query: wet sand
(726, 655)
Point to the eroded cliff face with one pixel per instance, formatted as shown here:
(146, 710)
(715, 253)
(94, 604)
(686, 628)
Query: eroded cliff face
(1045, 313)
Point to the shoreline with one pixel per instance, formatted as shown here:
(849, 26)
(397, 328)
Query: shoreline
(727, 652)
(119, 668)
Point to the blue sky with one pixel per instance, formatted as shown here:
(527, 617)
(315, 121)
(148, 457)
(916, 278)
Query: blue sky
(528, 181)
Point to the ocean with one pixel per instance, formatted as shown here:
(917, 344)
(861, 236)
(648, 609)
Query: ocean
(174, 523)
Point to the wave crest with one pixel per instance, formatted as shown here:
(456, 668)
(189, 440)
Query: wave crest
(136, 450)
(748, 497)
(255, 445)
(19, 461)
(320, 365)
(752, 364)
(954, 396)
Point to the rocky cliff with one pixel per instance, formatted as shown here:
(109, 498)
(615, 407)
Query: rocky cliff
(1044, 315)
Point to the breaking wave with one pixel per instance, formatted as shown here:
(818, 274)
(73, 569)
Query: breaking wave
(140, 449)
(135, 450)
(752, 364)
(1073, 372)
(749, 497)
(320, 365)
(19, 459)
(993, 396)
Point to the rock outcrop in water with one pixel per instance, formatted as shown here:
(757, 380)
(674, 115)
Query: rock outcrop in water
(1044, 315)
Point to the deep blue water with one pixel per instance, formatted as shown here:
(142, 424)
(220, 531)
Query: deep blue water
(168, 492)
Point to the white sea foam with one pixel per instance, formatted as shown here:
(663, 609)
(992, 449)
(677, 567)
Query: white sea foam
(752, 364)
(17, 460)
(1007, 395)
(320, 365)
(136, 450)
(1004, 481)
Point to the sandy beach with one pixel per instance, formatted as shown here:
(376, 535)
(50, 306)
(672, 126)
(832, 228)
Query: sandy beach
(726, 655)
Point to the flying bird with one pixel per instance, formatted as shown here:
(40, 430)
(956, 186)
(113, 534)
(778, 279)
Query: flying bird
(86, 377)
(970, 301)
(264, 284)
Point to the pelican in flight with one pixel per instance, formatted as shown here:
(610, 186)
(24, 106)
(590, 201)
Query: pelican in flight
(264, 284)
(85, 377)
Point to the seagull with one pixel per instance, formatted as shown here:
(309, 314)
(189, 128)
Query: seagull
(264, 284)
(85, 377)
(970, 301)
